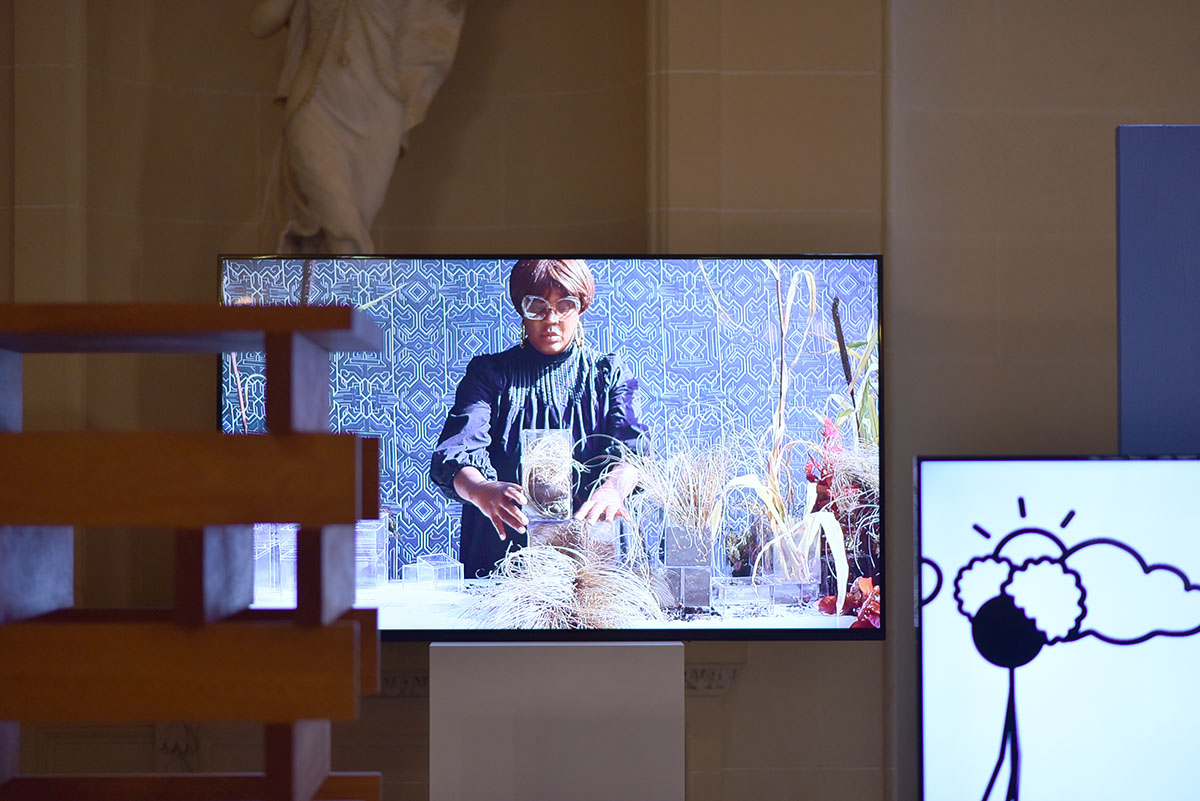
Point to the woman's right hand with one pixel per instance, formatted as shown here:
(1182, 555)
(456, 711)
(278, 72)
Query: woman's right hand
(500, 501)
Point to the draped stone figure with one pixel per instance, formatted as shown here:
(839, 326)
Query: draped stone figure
(357, 76)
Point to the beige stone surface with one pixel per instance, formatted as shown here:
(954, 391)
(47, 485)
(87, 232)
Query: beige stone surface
(6, 151)
(692, 137)
(185, 132)
(692, 231)
(118, 127)
(690, 31)
(801, 36)
(570, 159)
(921, 271)
(804, 231)
(802, 783)
(113, 276)
(181, 262)
(6, 33)
(944, 173)
(1108, 54)
(801, 141)
(1056, 299)
(48, 254)
(453, 171)
(50, 32)
(943, 54)
(116, 43)
(49, 136)
(207, 46)
(535, 47)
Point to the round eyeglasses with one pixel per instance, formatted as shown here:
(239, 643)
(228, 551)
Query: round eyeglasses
(534, 307)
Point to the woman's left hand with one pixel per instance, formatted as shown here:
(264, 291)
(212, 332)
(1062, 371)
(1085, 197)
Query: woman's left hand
(606, 503)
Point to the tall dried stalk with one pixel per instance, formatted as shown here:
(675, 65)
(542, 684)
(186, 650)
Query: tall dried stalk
(795, 539)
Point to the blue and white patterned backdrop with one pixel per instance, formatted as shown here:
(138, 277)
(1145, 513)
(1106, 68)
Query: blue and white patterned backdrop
(700, 334)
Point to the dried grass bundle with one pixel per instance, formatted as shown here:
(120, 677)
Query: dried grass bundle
(596, 540)
(547, 587)
(687, 480)
(854, 474)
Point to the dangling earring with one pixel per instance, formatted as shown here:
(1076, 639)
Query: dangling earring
(580, 339)
(524, 334)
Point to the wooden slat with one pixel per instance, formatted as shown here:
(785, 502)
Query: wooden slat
(324, 574)
(298, 389)
(183, 480)
(178, 328)
(139, 672)
(37, 572)
(367, 620)
(10, 391)
(353, 786)
(297, 759)
(371, 672)
(214, 573)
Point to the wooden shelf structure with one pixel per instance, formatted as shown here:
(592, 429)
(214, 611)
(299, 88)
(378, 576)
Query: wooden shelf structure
(210, 658)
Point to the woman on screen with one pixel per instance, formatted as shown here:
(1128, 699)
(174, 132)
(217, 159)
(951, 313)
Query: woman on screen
(552, 380)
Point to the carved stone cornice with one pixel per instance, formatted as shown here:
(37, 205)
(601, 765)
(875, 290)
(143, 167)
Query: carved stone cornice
(404, 683)
(709, 678)
(705, 678)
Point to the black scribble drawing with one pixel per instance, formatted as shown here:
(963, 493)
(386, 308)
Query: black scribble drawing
(1032, 591)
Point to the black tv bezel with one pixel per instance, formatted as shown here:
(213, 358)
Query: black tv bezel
(918, 461)
(648, 634)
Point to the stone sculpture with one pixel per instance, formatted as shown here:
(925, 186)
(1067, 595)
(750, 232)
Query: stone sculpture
(357, 76)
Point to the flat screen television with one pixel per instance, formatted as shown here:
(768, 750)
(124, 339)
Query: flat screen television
(748, 395)
(1058, 620)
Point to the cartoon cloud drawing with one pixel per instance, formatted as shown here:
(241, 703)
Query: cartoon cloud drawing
(1033, 592)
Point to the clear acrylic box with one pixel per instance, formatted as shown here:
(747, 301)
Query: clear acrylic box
(546, 473)
(370, 558)
(275, 564)
(740, 596)
(695, 587)
(683, 548)
(438, 571)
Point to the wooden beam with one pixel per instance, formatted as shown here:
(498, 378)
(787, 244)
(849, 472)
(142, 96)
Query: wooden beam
(371, 675)
(137, 672)
(298, 388)
(214, 573)
(352, 786)
(367, 619)
(11, 389)
(324, 574)
(297, 759)
(37, 573)
(178, 328)
(180, 480)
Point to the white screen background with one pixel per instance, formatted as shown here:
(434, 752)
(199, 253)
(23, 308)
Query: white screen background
(1096, 720)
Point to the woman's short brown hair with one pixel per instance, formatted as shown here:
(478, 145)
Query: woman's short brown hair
(538, 276)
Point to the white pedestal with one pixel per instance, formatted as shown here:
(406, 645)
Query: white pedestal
(533, 721)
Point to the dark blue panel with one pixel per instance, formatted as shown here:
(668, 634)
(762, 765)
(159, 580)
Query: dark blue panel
(1158, 257)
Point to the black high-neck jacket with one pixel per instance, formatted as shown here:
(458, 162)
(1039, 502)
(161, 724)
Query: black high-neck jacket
(592, 394)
